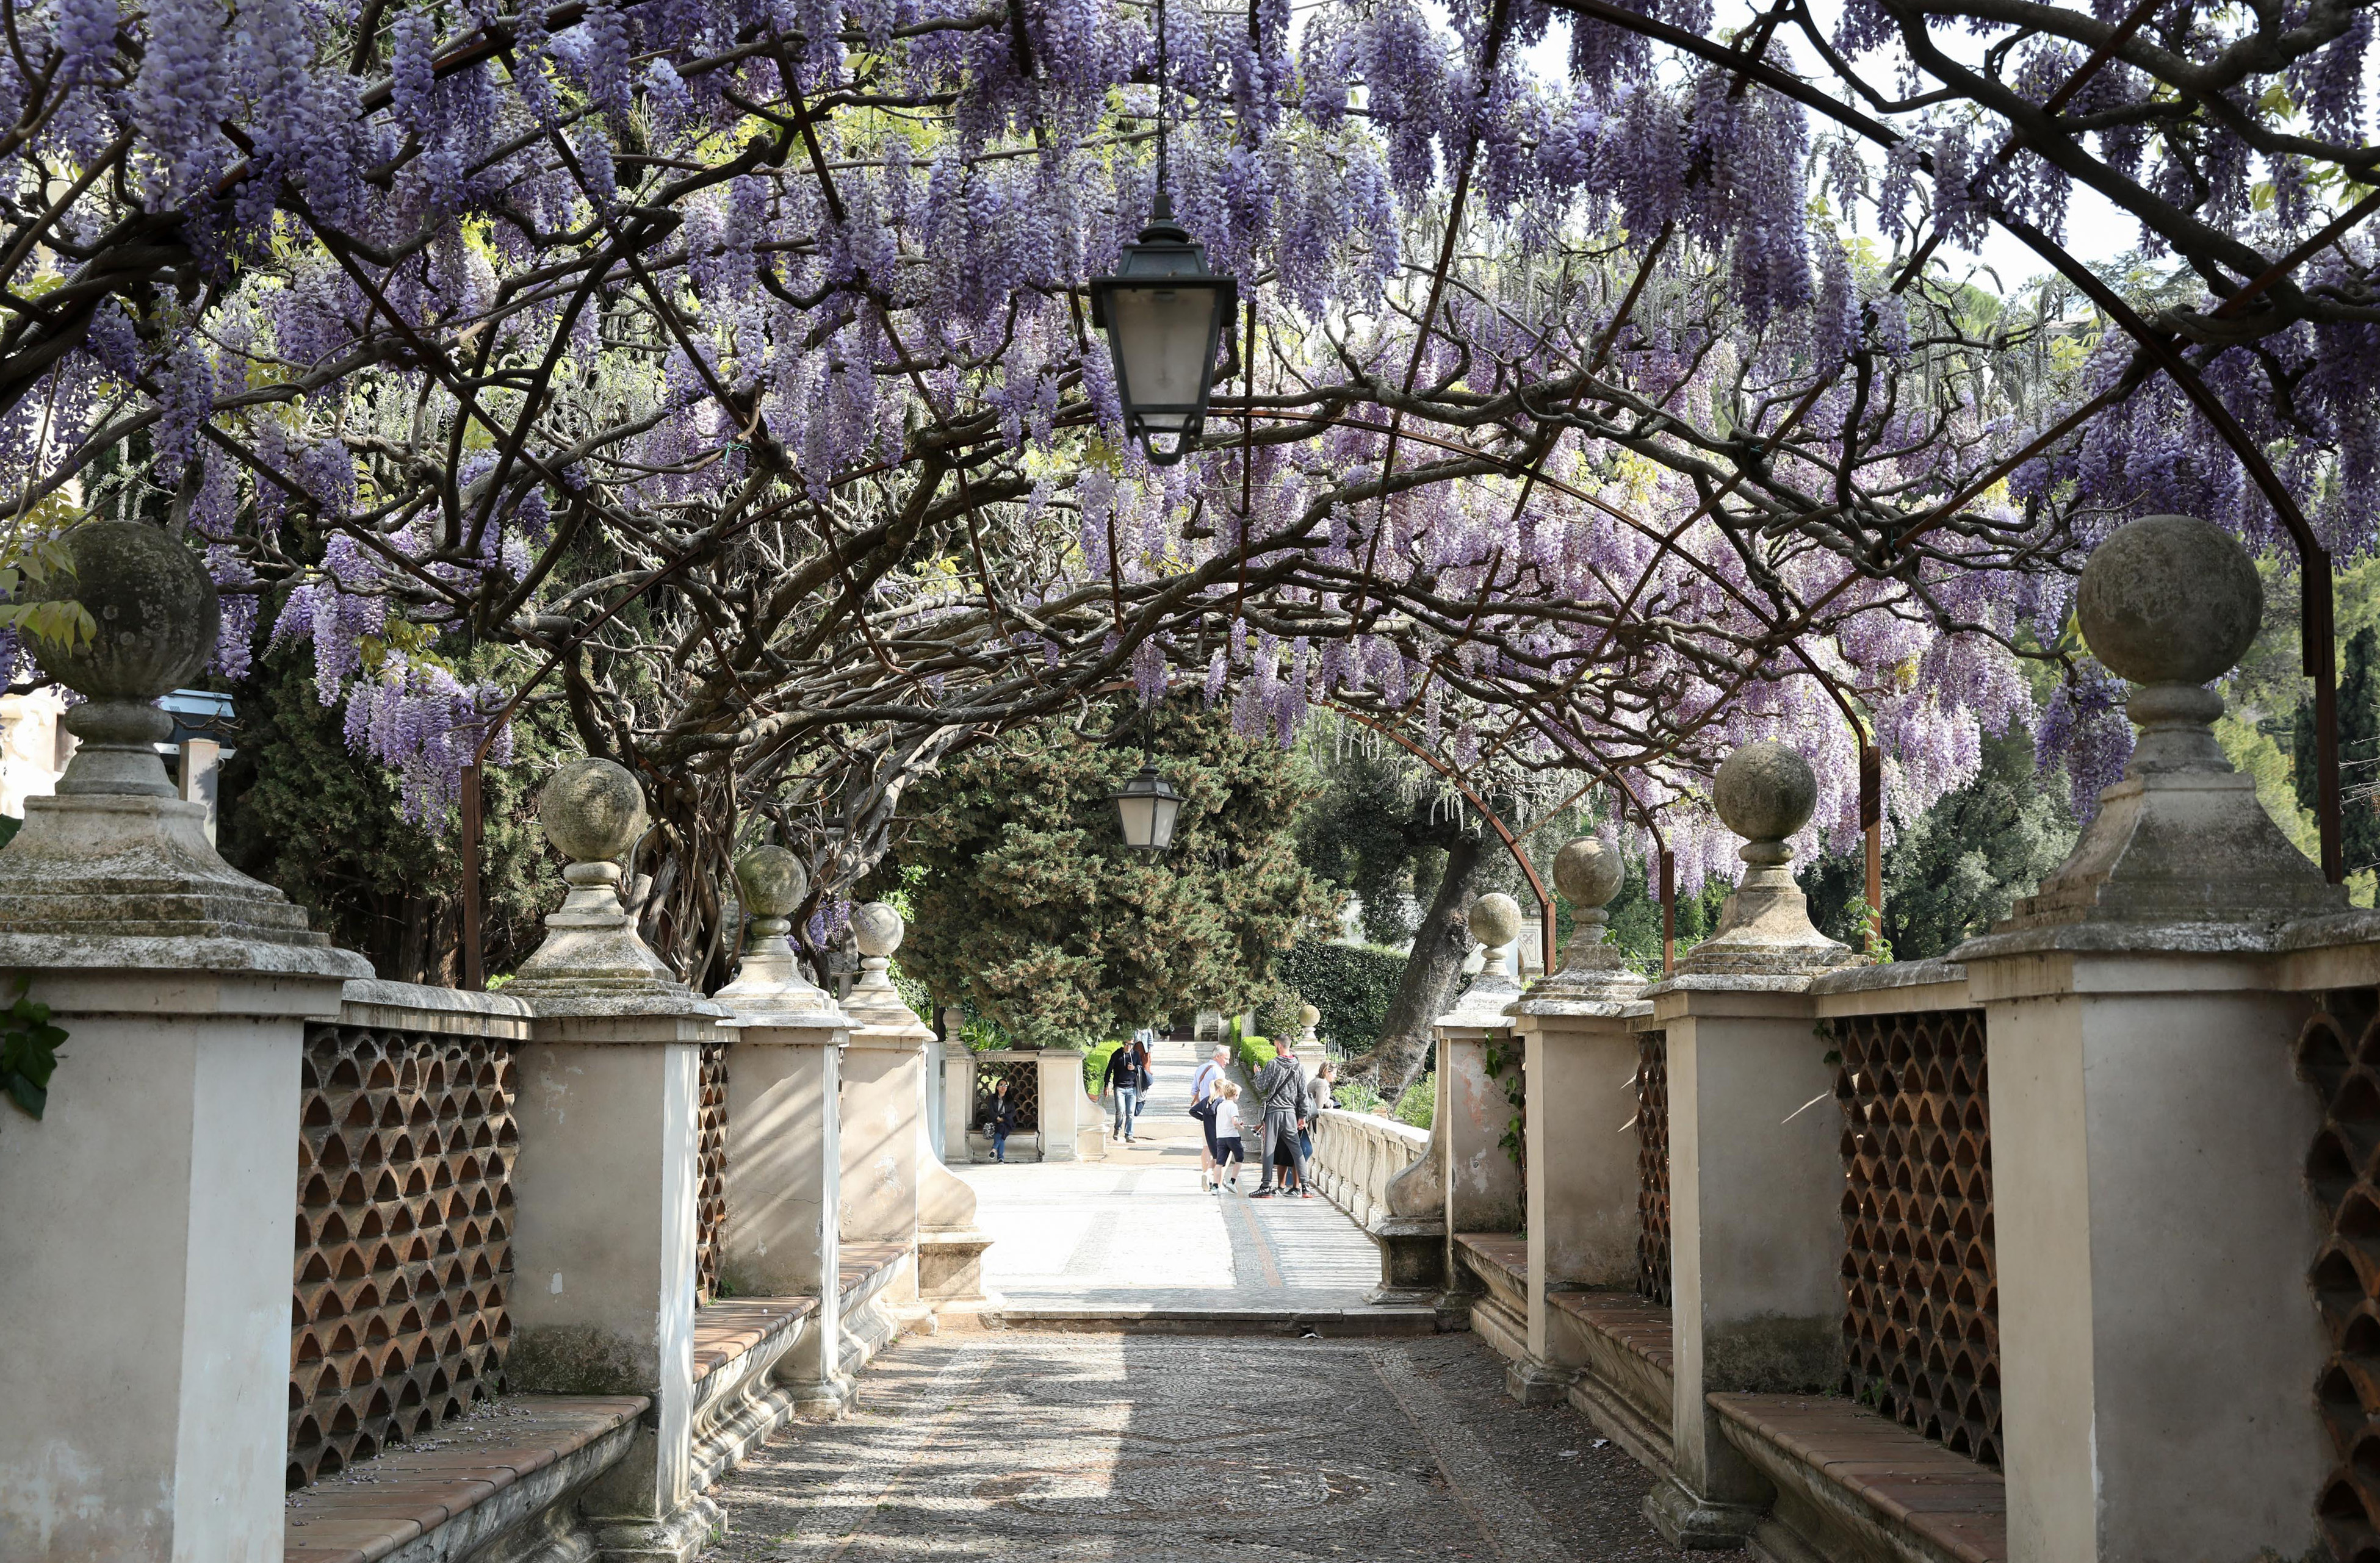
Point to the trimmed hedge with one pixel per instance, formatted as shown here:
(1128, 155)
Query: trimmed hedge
(1351, 985)
(1095, 1068)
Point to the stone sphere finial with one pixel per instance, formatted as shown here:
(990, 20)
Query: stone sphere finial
(877, 930)
(1494, 919)
(592, 810)
(772, 882)
(155, 611)
(2170, 599)
(1588, 874)
(1308, 1015)
(1763, 793)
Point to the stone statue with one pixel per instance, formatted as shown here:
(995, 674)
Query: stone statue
(593, 811)
(1763, 793)
(771, 986)
(1588, 874)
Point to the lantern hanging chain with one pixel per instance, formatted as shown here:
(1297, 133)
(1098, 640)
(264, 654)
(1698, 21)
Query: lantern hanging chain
(1163, 170)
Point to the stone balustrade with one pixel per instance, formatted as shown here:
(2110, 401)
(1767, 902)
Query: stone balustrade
(1356, 1155)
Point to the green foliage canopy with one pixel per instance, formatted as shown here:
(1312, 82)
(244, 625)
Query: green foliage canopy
(1351, 984)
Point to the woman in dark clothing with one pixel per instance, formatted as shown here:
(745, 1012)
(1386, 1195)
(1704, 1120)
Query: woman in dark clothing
(1000, 1117)
(1127, 1076)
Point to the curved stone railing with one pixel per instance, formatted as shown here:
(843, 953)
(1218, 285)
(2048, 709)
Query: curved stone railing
(1356, 1154)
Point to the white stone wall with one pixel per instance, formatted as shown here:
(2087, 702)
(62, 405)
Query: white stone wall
(31, 748)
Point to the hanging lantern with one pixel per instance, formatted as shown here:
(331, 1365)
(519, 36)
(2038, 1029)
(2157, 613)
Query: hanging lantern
(1146, 807)
(1165, 314)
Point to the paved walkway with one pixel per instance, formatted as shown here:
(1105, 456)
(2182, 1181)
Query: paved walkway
(1134, 1232)
(1114, 1449)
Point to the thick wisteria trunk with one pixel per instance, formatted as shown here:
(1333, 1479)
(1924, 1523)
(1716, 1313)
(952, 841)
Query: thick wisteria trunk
(1428, 985)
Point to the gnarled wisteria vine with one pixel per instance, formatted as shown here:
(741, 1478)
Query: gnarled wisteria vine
(1593, 411)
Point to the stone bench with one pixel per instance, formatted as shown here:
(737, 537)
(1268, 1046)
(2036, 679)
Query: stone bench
(513, 1468)
(1499, 1314)
(1854, 1487)
(1626, 1382)
(737, 1402)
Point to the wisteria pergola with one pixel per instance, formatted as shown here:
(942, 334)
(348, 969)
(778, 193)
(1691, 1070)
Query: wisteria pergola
(727, 366)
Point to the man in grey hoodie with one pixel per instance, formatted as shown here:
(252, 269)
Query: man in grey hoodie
(1282, 1088)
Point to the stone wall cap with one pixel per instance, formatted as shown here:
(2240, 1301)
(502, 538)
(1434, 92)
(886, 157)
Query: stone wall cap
(421, 996)
(141, 952)
(2113, 938)
(2361, 925)
(755, 1017)
(1733, 982)
(1558, 1004)
(599, 1005)
(1892, 974)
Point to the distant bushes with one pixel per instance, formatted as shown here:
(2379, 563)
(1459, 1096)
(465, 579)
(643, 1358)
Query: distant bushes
(1351, 984)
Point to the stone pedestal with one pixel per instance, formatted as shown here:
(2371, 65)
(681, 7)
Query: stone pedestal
(1580, 1060)
(1476, 1177)
(785, 1157)
(939, 1209)
(603, 1245)
(1060, 1086)
(958, 1105)
(2157, 1345)
(145, 1264)
(1755, 1169)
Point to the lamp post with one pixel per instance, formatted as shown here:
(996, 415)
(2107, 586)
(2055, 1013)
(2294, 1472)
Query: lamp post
(1164, 313)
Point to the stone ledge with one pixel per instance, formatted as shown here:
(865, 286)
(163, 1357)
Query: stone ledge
(412, 1006)
(503, 1469)
(1626, 1382)
(1892, 974)
(1328, 1323)
(1852, 1487)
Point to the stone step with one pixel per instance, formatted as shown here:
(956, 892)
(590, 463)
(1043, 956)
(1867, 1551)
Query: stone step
(1328, 1323)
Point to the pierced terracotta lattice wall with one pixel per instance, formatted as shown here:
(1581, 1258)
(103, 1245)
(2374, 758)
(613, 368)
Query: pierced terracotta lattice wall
(1921, 1323)
(710, 1170)
(2338, 1054)
(1024, 1084)
(1653, 1166)
(405, 1209)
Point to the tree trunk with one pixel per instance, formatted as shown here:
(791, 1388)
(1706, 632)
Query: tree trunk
(1428, 984)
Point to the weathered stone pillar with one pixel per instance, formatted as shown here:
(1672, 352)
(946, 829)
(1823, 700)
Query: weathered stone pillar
(1756, 1172)
(785, 1153)
(2157, 1345)
(1428, 1203)
(604, 1241)
(1579, 1058)
(948, 1243)
(1310, 1053)
(1060, 1082)
(145, 1258)
(882, 1124)
(958, 1093)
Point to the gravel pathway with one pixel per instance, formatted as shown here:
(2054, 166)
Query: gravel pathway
(1110, 1449)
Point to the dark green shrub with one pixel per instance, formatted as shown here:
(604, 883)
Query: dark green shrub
(1349, 984)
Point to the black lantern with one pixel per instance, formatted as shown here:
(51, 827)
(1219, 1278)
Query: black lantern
(1146, 807)
(1165, 314)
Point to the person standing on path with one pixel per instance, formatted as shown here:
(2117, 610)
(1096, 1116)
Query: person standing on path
(1003, 1118)
(1317, 1096)
(1128, 1076)
(1281, 1091)
(1205, 1089)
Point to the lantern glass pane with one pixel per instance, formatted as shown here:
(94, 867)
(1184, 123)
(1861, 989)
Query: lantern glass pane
(1162, 826)
(1162, 336)
(1138, 812)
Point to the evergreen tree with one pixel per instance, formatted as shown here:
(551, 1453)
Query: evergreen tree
(2359, 753)
(1031, 911)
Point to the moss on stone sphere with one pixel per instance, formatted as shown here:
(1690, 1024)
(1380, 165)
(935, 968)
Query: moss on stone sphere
(1494, 919)
(592, 810)
(1765, 791)
(156, 612)
(771, 881)
(1588, 873)
(877, 928)
(2170, 599)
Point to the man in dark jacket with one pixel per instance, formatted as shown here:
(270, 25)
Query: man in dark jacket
(1281, 1089)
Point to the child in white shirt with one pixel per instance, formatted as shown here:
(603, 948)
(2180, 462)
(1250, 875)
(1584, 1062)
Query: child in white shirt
(1228, 1152)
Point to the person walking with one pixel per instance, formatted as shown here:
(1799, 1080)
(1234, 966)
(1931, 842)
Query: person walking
(1223, 1129)
(1280, 1090)
(1205, 1092)
(1002, 1117)
(1127, 1077)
